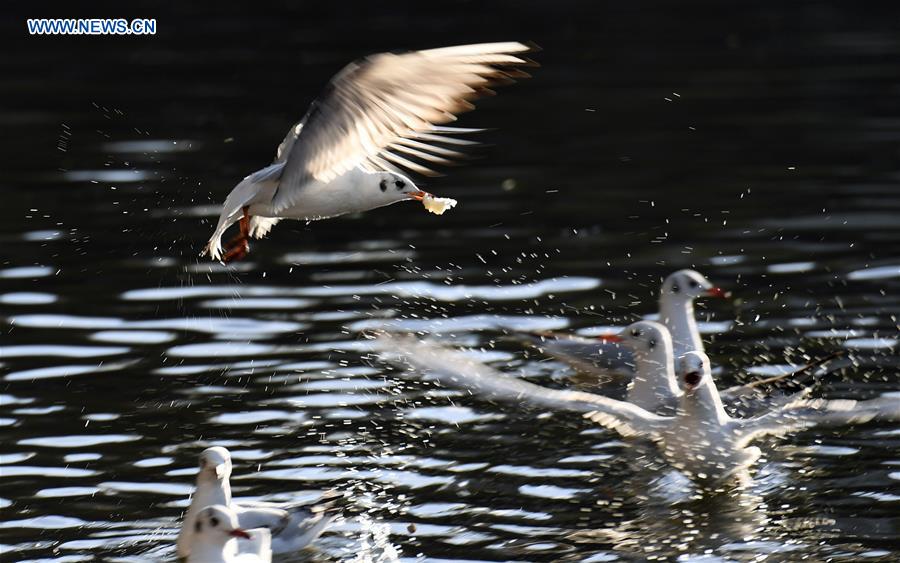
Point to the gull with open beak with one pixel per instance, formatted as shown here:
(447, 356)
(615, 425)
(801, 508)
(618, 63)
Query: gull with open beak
(700, 437)
(218, 538)
(604, 355)
(292, 527)
(377, 117)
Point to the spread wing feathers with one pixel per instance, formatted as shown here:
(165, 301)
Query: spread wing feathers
(381, 111)
(600, 358)
(806, 413)
(454, 368)
(813, 371)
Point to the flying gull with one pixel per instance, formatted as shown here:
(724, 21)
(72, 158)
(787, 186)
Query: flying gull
(378, 117)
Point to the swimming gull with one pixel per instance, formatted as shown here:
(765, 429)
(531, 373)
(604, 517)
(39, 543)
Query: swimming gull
(700, 437)
(604, 355)
(216, 539)
(293, 527)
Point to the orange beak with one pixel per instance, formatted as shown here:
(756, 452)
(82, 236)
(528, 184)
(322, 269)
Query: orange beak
(418, 196)
(609, 338)
(718, 292)
(239, 533)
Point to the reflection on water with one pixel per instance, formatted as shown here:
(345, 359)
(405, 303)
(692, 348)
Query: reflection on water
(757, 144)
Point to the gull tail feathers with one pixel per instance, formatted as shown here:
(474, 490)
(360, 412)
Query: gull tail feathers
(249, 191)
(260, 226)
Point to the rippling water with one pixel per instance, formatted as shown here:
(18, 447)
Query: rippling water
(758, 144)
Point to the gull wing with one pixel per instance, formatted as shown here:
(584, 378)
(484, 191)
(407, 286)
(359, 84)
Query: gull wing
(595, 356)
(456, 369)
(381, 110)
(257, 516)
(807, 413)
(294, 526)
(796, 378)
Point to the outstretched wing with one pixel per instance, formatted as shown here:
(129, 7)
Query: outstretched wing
(454, 368)
(380, 111)
(795, 379)
(806, 413)
(605, 359)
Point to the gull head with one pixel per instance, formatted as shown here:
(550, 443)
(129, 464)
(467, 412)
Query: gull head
(689, 285)
(390, 187)
(218, 524)
(692, 369)
(215, 463)
(646, 337)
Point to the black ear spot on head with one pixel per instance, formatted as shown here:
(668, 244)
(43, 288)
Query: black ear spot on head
(198, 526)
(652, 343)
(675, 288)
(400, 184)
(383, 185)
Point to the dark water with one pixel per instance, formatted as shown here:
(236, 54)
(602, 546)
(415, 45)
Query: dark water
(756, 142)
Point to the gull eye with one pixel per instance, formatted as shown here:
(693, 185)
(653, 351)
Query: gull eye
(383, 185)
(675, 288)
(693, 283)
(635, 332)
(214, 521)
(198, 526)
(652, 343)
(400, 184)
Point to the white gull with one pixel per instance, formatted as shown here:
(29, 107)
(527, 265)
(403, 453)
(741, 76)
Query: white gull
(603, 354)
(215, 539)
(293, 527)
(700, 438)
(378, 116)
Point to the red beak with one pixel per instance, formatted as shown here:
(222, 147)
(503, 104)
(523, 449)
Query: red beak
(718, 292)
(239, 533)
(609, 338)
(418, 196)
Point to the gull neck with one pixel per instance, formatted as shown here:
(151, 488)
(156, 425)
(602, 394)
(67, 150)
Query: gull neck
(704, 404)
(677, 314)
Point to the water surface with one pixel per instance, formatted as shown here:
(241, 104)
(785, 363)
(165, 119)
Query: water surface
(757, 143)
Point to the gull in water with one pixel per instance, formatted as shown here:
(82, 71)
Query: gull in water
(377, 117)
(215, 539)
(707, 444)
(701, 439)
(292, 527)
(604, 354)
